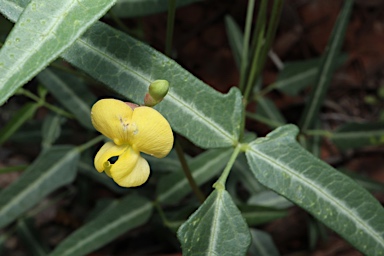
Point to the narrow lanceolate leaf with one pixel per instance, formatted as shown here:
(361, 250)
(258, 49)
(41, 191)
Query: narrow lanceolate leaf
(51, 130)
(64, 91)
(282, 165)
(134, 8)
(128, 66)
(43, 31)
(262, 244)
(297, 75)
(355, 135)
(235, 38)
(124, 215)
(268, 109)
(175, 186)
(48, 172)
(30, 238)
(327, 68)
(18, 119)
(216, 228)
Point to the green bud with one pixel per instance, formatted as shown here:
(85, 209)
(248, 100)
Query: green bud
(156, 93)
(158, 89)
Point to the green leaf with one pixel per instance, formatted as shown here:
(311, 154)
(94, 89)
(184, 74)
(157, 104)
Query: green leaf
(51, 130)
(248, 180)
(262, 244)
(43, 31)
(63, 89)
(173, 187)
(235, 38)
(328, 65)
(356, 135)
(216, 228)
(269, 198)
(134, 8)
(128, 66)
(29, 237)
(18, 119)
(126, 214)
(299, 74)
(256, 215)
(268, 109)
(282, 165)
(48, 172)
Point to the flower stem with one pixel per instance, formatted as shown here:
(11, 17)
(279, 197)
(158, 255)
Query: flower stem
(170, 26)
(90, 143)
(42, 102)
(187, 171)
(220, 183)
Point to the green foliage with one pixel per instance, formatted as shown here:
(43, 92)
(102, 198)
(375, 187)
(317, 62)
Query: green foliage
(281, 164)
(119, 217)
(204, 233)
(275, 173)
(49, 171)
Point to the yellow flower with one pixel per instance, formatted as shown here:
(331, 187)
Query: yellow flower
(132, 131)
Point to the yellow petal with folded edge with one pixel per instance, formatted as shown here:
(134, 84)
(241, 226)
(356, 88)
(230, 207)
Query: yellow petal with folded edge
(130, 170)
(107, 151)
(150, 132)
(112, 118)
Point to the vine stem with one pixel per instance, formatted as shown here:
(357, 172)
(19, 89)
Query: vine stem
(90, 143)
(220, 183)
(247, 34)
(170, 26)
(45, 104)
(187, 171)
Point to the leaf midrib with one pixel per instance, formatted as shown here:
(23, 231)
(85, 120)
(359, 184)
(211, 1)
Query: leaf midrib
(105, 229)
(310, 184)
(35, 184)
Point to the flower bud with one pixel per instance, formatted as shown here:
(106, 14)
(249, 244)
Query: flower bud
(156, 92)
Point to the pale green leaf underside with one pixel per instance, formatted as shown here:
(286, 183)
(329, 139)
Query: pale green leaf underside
(48, 172)
(118, 218)
(127, 66)
(216, 228)
(135, 8)
(281, 164)
(43, 31)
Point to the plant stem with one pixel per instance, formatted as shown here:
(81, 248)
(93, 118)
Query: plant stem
(42, 102)
(220, 183)
(170, 26)
(90, 143)
(247, 34)
(187, 171)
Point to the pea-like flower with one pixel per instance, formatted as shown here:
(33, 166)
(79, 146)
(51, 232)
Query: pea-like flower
(132, 131)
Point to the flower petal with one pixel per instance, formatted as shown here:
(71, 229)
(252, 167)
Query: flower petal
(150, 132)
(112, 118)
(131, 170)
(107, 151)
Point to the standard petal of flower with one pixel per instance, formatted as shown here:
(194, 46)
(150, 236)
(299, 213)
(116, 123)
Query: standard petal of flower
(150, 132)
(112, 118)
(107, 151)
(137, 177)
